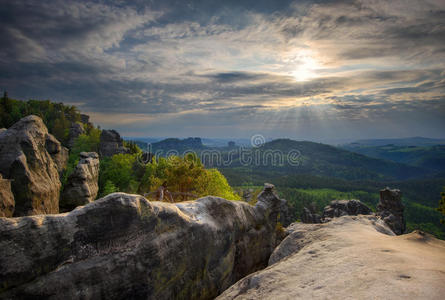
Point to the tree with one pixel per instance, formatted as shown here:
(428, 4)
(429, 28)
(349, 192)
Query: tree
(108, 188)
(185, 177)
(441, 208)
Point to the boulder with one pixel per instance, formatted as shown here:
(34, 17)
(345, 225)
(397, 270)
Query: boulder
(32, 158)
(76, 129)
(339, 208)
(351, 257)
(390, 209)
(125, 247)
(308, 216)
(111, 143)
(6, 198)
(82, 185)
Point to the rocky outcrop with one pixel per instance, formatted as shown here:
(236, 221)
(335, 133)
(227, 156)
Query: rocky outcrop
(6, 198)
(351, 257)
(76, 129)
(125, 247)
(390, 209)
(32, 158)
(111, 143)
(339, 208)
(82, 185)
(58, 153)
(307, 216)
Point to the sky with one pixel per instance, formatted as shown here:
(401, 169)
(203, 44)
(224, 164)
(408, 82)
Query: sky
(311, 70)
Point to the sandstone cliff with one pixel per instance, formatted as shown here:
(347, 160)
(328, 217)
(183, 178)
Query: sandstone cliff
(6, 198)
(111, 143)
(33, 159)
(82, 185)
(125, 247)
(351, 257)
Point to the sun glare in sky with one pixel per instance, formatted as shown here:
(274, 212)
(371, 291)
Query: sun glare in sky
(304, 66)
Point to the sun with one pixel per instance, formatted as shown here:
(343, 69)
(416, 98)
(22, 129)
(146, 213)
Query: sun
(305, 66)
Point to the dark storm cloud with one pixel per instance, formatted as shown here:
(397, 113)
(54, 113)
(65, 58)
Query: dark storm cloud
(227, 60)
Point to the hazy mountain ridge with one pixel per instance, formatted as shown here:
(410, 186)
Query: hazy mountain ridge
(429, 157)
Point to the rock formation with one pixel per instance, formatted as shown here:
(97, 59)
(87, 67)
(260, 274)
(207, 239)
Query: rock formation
(111, 143)
(82, 185)
(339, 208)
(351, 257)
(6, 198)
(307, 216)
(32, 158)
(390, 209)
(336, 209)
(125, 247)
(76, 130)
(59, 154)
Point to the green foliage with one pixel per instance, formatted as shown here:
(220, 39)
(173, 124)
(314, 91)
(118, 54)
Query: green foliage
(119, 171)
(88, 142)
(212, 182)
(108, 188)
(441, 207)
(185, 177)
(132, 146)
(56, 116)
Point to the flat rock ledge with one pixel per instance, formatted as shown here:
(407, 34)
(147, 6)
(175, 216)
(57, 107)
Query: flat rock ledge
(125, 247)
(351, 257)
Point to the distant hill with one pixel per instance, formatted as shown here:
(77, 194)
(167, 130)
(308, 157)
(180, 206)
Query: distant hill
(412, 141)
(321, 160)
(430, 157)
(177, 145)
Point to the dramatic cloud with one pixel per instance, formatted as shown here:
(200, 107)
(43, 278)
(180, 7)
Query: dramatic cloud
(302, 69)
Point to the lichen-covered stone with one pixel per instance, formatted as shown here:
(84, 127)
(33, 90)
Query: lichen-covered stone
(125, 247)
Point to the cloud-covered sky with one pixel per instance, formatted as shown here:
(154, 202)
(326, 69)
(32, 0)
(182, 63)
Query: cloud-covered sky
(301, 69)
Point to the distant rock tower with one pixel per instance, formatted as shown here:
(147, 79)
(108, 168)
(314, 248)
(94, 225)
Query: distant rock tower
(390, 209)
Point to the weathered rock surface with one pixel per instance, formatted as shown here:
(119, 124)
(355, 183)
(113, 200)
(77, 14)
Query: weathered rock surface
(111, 143)
(82, 185)
(339, 208)
(307, 216)
(6, 198)
(32, 158)
(58, 153)
(351, 257)
(76, 129)
(125, 247)
(390, 209)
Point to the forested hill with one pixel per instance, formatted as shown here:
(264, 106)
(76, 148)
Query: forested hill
(56, 116)
(429, 157)
(324, 160)
(178, 145)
